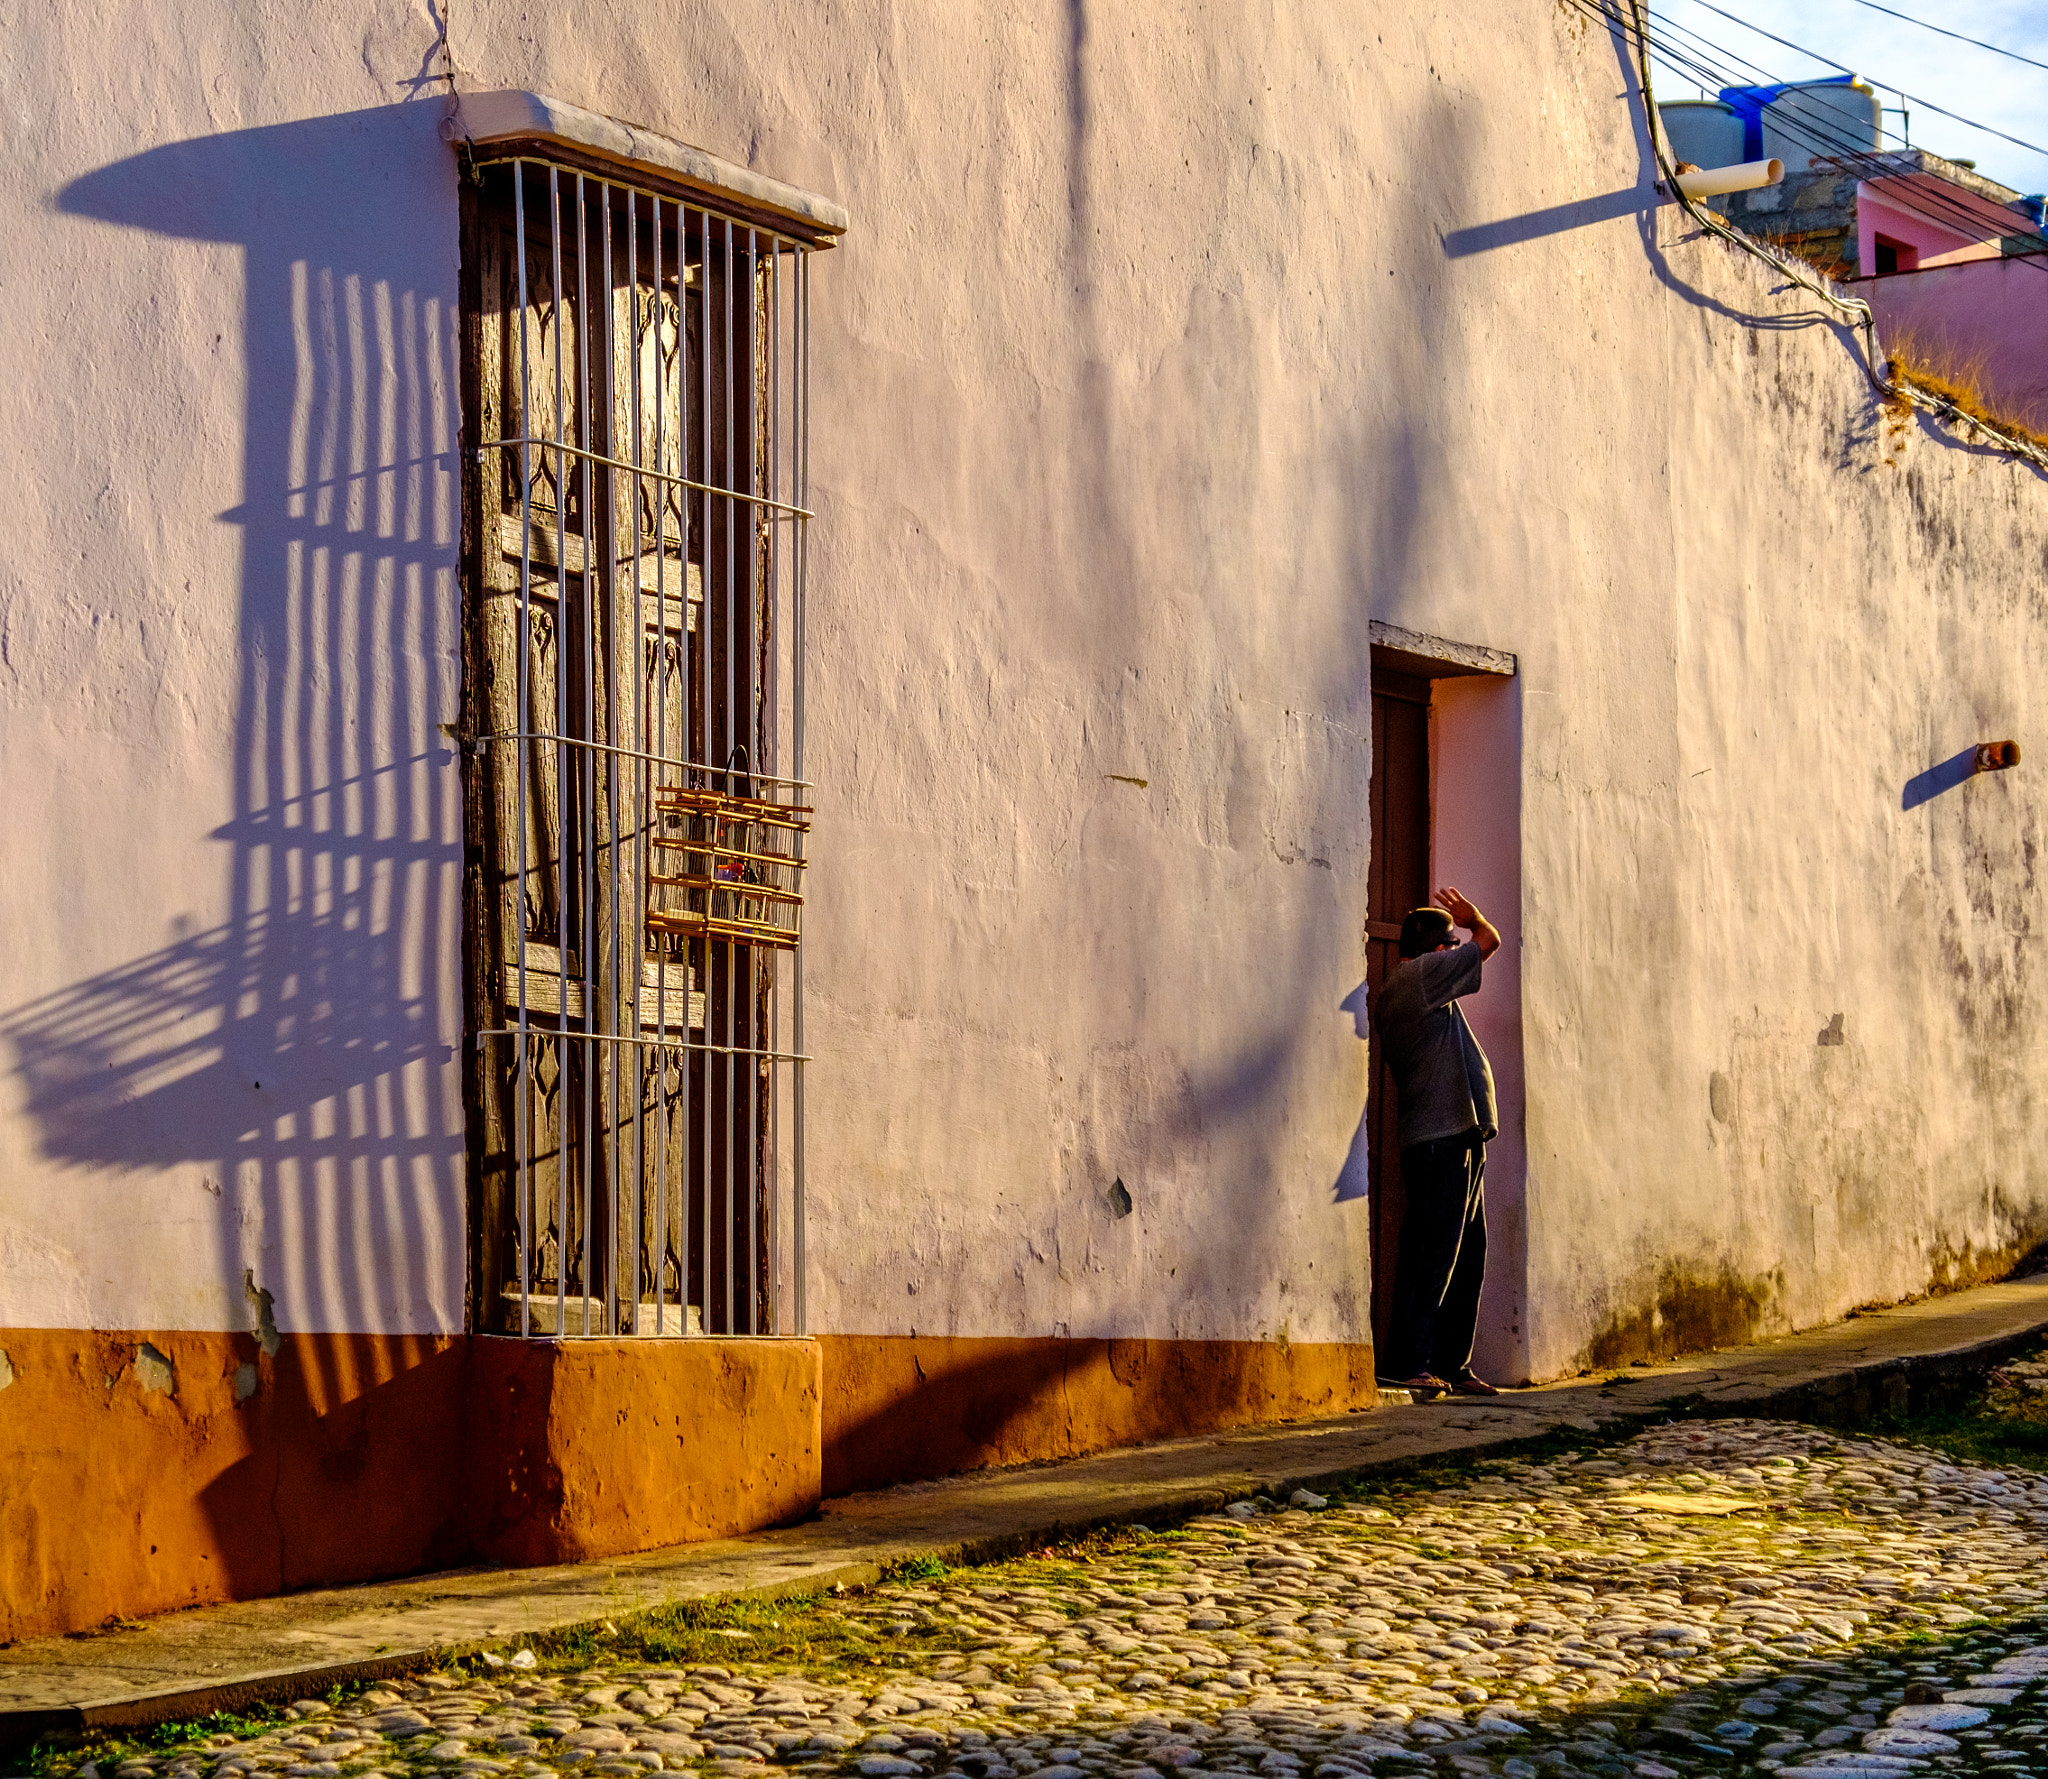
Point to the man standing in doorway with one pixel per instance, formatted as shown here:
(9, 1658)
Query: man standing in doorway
(1446, 1118)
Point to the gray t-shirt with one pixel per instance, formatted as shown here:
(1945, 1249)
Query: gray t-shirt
(1440, 1073)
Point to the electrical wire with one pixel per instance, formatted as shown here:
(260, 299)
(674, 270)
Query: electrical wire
(1755, 76)
(1931, 206)
(1928, 205)
(1633, 25)
(1830, 62)
(1942, 30)
(1875, 367)
(1949, 214)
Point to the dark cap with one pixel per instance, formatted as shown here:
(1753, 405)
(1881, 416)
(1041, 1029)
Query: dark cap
(1424, 929)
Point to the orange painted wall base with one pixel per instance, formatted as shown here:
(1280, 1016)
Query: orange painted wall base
(143, 1472)
(608, 1440)
(904, 1406)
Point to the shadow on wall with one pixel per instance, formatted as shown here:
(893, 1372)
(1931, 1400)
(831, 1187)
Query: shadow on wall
(226, 1466)
(1534, 225)
(1354, 1178)
(1924, 787)
(1644, 202)
(301, 1052)
(339, 1421)
(897, 1406)
(1246, 1095)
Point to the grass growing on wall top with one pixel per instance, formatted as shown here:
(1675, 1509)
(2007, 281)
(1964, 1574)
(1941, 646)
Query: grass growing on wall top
(1962, 385)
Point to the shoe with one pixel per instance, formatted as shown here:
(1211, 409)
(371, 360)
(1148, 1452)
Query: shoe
(1422, 1386)
(1468, 1383)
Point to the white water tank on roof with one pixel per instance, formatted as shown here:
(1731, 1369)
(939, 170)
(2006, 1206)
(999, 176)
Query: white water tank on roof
(1703, 131)
(1818, 122)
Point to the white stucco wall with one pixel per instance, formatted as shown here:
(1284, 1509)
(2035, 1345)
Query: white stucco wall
(1166, 350)
(227, 639)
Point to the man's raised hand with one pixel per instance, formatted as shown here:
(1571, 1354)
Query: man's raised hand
(1459, 907)
(1455, 902)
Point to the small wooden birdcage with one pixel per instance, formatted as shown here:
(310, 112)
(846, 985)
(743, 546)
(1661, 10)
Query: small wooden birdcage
(734, 867)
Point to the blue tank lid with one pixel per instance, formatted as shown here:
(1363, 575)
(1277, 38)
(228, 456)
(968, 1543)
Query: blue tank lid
(1749, 103)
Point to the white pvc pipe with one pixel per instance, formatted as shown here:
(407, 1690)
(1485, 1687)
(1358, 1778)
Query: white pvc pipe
(1714, 182)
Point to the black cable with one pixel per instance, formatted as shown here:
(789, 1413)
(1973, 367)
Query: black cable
(1829, 61)
(1946, 214)
(1995, 49)
(1812, 134)
(1855, 308)
(1758, 76)
(1761, 76)
(1932, 207)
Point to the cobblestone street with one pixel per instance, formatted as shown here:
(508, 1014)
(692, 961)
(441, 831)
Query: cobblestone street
(1709, 1597)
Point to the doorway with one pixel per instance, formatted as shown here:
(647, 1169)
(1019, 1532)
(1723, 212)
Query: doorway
(1397, 881)
(1449, 711)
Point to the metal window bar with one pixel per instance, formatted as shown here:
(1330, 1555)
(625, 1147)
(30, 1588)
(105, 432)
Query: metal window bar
(641, 487)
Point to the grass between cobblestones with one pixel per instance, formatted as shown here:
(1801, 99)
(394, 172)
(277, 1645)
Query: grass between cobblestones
(62, 1754)
(1526, 1616)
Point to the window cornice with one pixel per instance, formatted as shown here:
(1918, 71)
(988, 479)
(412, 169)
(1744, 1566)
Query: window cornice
(502, 124)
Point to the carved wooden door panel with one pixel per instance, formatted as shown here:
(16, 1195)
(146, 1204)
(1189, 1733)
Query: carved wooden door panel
(538, 1104)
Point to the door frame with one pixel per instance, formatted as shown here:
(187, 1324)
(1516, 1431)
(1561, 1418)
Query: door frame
(1407, 658)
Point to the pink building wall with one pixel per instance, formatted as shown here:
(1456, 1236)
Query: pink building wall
(1956, 303)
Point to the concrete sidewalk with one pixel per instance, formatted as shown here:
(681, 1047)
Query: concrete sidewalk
(212, 1657)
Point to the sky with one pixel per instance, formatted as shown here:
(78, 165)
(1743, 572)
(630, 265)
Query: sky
(1888, 53)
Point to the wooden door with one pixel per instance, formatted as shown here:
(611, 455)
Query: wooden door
(1398, 881)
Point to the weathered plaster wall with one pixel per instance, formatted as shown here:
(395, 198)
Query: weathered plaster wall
(227, 642)
(1162, 436)
(899, 1406)
(1778, 999)
(579, 1449)
(1205, 336)
(1167, 349)
(141, 1472)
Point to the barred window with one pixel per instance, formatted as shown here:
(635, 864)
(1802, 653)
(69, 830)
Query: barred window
(637, 807)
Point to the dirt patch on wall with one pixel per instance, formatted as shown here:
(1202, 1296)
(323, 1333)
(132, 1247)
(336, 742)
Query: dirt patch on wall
(1690, 1312)
(1699, 1312)
(1952, 1268)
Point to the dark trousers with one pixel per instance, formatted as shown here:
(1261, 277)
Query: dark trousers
(1443, 1258)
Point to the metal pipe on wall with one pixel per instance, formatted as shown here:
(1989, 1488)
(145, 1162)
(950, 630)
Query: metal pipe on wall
(1718, 182)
